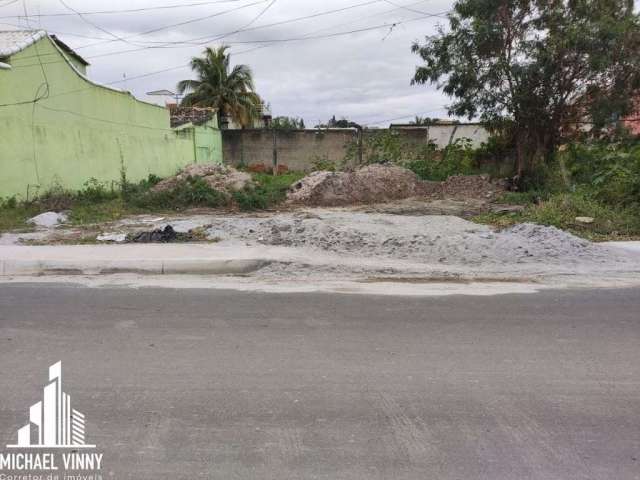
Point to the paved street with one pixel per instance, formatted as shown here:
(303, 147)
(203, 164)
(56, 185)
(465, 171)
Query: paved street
(179, 384)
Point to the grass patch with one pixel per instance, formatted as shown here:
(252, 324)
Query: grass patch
(561, 209)
(269, 191)
(14, 216)
(98, 203)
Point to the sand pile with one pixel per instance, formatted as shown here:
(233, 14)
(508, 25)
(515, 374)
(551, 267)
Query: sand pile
(220, 177)
(425, 239)
(373, 183)
(379, 183)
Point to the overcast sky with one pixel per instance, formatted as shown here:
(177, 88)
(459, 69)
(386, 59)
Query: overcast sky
(364, 76)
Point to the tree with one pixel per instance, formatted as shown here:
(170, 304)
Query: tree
(230, 90)
(536, 68)
(342, 123)
(421, 121)
(287, 123)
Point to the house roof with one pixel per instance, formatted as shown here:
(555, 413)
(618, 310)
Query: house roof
(14, 41)
(194, 115)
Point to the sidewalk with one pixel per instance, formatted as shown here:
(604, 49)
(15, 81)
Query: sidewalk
(134, 258)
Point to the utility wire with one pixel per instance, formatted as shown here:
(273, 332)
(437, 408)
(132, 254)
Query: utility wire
(242, 52)
(93, 24)
(276, 40)
(179, 24)
(413, 115)
(130, 10)
(405, 7)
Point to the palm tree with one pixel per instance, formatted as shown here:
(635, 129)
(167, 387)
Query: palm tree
(231, 91)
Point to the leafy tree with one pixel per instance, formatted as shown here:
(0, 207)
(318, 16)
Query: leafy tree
(421, 121)
(342, 123)
(230, 90)
(287, 123)
(536, 69)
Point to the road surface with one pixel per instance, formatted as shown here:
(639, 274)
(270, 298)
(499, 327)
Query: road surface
(181, 384)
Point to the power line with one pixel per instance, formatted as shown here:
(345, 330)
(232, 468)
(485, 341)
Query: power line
(242, 52)
(403, 117)
(274, 41)
(110, 12)
(268, 44)
(405, 7)
(205, 39)
(179, 24)
(93, 24)
(113, 122)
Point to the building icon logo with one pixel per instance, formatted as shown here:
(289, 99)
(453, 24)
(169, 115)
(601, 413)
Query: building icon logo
(53, 423)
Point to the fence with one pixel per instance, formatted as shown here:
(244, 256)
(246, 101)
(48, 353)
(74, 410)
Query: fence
(302, 150)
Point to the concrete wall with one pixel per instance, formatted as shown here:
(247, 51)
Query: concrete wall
(443, 135)
(80, 130)
(297, 149)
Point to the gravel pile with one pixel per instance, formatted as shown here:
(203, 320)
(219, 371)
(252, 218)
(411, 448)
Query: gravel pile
(428, 239)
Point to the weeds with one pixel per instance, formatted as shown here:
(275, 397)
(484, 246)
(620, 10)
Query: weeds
(100, 202)
(561, 209)
(269, 191)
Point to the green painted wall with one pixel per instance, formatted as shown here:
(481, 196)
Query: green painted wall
(82, 130)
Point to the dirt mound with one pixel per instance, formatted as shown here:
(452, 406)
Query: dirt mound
(219, 177)
(472, 186)
(373, 183)
(380, 183)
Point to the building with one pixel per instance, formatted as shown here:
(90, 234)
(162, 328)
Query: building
(61, 128)
(443, 133)
(263, 120)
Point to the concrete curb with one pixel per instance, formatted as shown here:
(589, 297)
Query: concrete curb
(80, 260)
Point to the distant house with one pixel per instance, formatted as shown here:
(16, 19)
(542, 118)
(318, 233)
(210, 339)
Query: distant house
(58, 127)
(263, 120)
(442, 132)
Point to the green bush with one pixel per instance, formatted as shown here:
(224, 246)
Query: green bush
(268, 192)
(456, 159)
(192, 192)
(610, 170)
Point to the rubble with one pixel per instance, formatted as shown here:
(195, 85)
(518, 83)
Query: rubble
(112, 237)
(48, 219)
(219, 177)
(473, 186)
(165, 235)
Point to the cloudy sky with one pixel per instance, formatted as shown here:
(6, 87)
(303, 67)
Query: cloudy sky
(307, 67)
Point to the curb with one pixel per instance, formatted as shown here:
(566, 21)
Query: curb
(11, 267)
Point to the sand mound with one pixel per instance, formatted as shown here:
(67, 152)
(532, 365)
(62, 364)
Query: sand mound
(219, 177)
(381, 183)
(438, 239)
(373, 183)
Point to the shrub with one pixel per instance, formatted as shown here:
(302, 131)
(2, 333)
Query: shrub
(192, 192)
(610, 170)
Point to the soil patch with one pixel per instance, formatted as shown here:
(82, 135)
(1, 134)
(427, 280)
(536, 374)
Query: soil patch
(382, 183)
(219, 177)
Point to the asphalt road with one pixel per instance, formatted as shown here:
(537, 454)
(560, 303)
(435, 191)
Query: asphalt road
(182, 384)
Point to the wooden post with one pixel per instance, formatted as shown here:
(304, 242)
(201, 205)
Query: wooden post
(360, 142)
(275, 152)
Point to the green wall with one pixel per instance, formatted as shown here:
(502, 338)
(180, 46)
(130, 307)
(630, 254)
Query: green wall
(82, 130)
